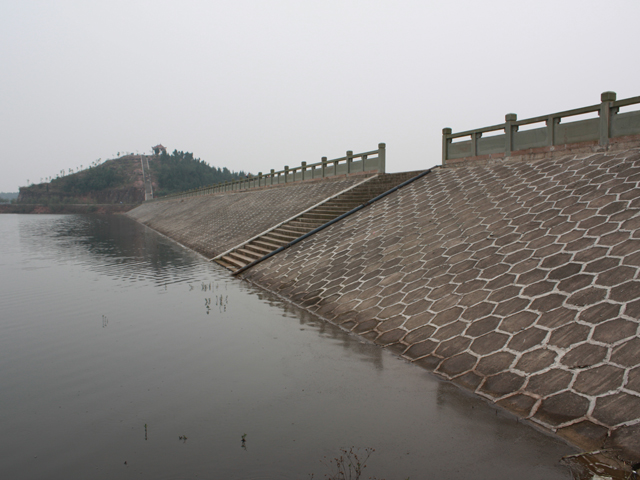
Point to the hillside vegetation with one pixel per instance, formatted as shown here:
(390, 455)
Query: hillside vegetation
(180, 171)
(120, 180)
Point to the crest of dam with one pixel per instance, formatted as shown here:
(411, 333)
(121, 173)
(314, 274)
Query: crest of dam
(516, 277)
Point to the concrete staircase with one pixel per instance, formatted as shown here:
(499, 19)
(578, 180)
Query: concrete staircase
(146, 177)
(283, 234)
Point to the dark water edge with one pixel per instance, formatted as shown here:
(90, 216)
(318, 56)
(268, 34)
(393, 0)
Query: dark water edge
(66, 208)
(107, 328)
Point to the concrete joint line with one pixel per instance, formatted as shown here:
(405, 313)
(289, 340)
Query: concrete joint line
(270, 229)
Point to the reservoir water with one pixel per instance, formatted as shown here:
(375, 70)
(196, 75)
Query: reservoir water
(123, 355)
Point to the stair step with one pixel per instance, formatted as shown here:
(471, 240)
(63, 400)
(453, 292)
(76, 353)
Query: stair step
(271, 239)
(266, 244)
(298, 229)
(225, 264)
(310, 220)
(318, 216)
(290, 231)
(240, 256)
(258, 249)
(237, 263)
(306, 222)
(248, 253)
(283, 236)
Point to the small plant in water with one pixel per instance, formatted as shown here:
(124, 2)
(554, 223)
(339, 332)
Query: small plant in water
(350, 464)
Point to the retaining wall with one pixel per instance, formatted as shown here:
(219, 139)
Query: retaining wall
(518, 280)
(212, 224)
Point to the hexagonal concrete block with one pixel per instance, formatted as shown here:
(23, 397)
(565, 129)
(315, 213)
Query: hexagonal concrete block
(587, 296)
(626, 292)
(614, 331)
(495, 363)
(617, 408)
(599, 313)
(502, 384)
(489, 343)
(421, 349)
(569, 334)
(626, 440)
(562, 408)
(518, 321)
(584, 356)
(587, 435)
(599, 380)
(536, 360)
(627, 354)
(549, 383)
(529, 338)
(457, 365)
(480, 327)
(419, 334)
(446, 317)
(633, 380)
(469, 380)
(391, 336)
(548, 302)
(452, 347)
(520, 404)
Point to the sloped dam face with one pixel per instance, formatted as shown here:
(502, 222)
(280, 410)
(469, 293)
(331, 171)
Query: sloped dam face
(126, 356)
(517, 280)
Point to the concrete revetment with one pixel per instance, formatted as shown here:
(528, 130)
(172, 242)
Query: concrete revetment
(517, 278)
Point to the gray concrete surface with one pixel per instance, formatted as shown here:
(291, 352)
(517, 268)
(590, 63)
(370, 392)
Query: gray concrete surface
(518, 280)
(212, 224)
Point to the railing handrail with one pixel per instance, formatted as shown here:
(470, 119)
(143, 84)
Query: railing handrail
(250, 182)
(606, 109)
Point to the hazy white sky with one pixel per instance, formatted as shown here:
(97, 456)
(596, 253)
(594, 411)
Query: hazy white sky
(255, 85)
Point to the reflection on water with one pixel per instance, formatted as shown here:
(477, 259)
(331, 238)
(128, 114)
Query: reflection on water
(116, 346)
(110, 246)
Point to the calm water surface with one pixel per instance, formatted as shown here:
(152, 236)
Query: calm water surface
(115, 342)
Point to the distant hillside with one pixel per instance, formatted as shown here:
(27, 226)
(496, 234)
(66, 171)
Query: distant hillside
(120, 180)
(180, 171)
(6, 197)
(114, 181)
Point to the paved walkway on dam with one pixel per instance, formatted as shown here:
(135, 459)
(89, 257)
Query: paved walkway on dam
(212, 224)
(517, 280)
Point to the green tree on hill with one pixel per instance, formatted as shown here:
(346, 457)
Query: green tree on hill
(93, 179)
(180, 171)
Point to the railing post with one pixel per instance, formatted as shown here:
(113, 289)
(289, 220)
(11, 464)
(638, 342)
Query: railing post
(271, 175)
(474, 143)
(551, 130)
(509, 118)
(382, 157)
(260, 179)
(445, 144)
(335, 167)
(349, 160)
(324, 166)
(303, 169)
(286, 173)
(607, 98)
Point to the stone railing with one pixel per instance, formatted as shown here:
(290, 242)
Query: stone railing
(350, 163)
(610, 124)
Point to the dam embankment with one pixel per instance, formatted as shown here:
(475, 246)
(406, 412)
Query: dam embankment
(212, 224)
(517, 279)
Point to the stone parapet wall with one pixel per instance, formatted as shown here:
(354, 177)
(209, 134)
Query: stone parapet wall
(531, 154)
(212, 224)
(518, 280)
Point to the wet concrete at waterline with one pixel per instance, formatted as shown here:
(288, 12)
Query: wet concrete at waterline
(115, 343)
